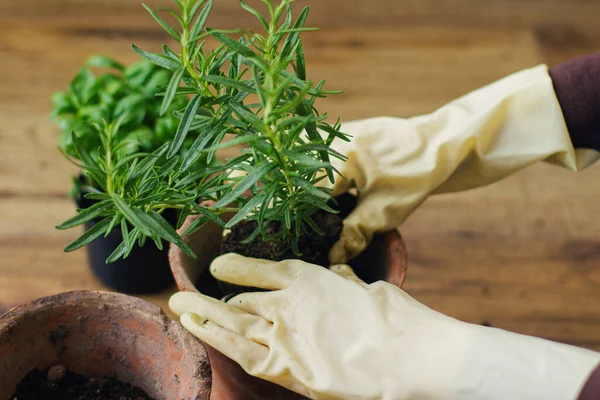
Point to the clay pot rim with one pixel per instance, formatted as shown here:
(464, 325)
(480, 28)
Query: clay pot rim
(395, 246)
(136, 304)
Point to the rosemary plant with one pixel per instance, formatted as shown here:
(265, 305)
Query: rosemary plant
(250, 85)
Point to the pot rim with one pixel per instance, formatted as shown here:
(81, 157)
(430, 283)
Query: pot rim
(394, 244)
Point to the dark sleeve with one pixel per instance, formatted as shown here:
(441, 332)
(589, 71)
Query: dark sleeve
(591, 390)
(577, 86)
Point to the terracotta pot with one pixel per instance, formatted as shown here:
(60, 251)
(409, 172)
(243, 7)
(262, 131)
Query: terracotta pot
(99, 334)
(385, 259)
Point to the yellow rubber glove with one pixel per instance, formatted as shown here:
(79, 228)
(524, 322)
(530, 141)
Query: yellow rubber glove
(478, 139)
(327, 335)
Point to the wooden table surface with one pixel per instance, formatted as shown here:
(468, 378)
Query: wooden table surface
(523, 254)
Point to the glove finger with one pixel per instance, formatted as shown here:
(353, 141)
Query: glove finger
(341, 186)
(352, 242)
(265, 305)
(247, 353)
(227, 316)
(347, 272)
(263, 274)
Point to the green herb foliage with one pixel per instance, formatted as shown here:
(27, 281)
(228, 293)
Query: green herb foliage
(119, 90)
(253, 86)
(134, 191)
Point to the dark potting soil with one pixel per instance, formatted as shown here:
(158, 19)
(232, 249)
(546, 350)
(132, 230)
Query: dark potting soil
(314, 248)
(60, 384)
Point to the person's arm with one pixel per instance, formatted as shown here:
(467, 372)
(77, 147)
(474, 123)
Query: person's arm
(591, 389)
(577, 87)
(478, 139)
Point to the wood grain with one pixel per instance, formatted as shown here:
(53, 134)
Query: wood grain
(523, 254)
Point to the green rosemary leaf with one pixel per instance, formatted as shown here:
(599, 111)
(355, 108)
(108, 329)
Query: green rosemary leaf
(243, 139)
(217, 64)
(173, 14)
(201, 21)
(171, 91)
(90, 235)
(184, 125)
(158, 242)
(310, 222)
(168, 167)
(183, 214)
(259, 87)
(126, 160)
(322, 147)
(158, 59)
(84, 155)
(288, 17)
(97, 196)
(292, 39)
(191, 14)
(300, 65)
(119, 252)
(247, 116)
(87, 214)
(310, 189)
(196, 225)
(162, 23)
(115, 220)
(336, 133)
(123, 250)
(258, 15)
(314, 201)
(234, 45)
(295, 247)
(141, 240)
(125, 233)
(199, 144)
(297, 30)
(91, 167)
(251, 179)
(287, 218)
(146, 164)
(306, 160)
(313, 134)
(247, 209)
(218, 139)
(253, 235)
(206, 215)
(222, 80)
(100, 61)
(269, 192)
(170, 53)
(180, 91)
(163, 229)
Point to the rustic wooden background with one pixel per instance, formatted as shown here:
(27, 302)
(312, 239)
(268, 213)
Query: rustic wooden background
(523, 254)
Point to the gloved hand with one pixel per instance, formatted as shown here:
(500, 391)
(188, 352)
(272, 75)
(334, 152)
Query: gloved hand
(478, 139)
(327, 335)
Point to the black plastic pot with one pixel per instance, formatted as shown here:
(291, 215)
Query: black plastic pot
(145, 271)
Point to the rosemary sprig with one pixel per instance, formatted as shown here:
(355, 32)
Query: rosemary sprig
(135, 191)
(253, 86)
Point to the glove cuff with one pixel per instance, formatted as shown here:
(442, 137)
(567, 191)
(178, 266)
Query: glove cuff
(506, 365)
